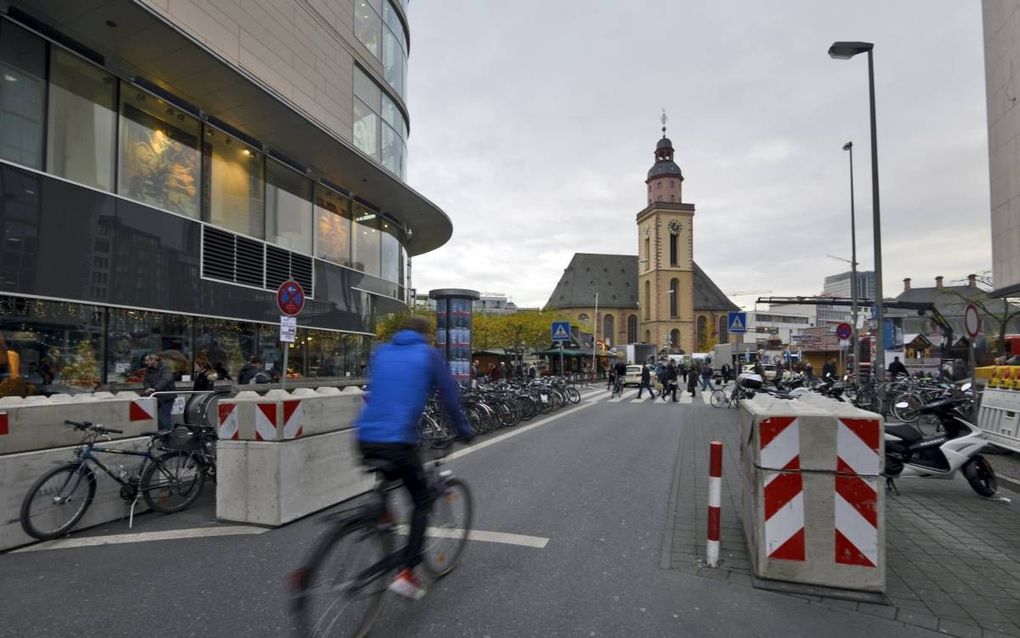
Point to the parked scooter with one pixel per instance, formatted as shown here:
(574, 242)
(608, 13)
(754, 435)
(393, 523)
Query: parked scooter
(909, 453)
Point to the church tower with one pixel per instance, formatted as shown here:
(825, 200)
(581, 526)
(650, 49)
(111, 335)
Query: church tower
(666, 256)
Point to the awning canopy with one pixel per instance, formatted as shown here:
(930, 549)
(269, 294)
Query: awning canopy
(137, 42)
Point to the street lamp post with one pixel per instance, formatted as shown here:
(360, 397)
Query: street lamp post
(845, 51)
(849, 146)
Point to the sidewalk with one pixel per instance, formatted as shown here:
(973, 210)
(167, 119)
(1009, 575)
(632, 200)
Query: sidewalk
(953, 557)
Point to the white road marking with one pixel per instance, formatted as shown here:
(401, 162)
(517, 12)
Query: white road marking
(538, 542)
(518, 430)
(143, 537)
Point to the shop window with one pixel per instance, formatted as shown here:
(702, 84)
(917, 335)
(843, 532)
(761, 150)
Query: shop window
(288, 208)
(159, 156)
(22, 95)
(333, 354)
(48, 347)
(227, 344)
(366, 241)
(135, 333)
(389, 251)
(82, 117)
(233, 184)
(332, 226)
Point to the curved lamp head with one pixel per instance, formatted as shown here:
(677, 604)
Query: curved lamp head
(847, 50)
(848, 146)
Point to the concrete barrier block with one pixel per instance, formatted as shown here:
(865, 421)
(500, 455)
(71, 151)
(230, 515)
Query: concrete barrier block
(328, 391)
(268, 483)
(60, 398)
(353, 389)
(304, 392)
(18, 472)
(11, 401)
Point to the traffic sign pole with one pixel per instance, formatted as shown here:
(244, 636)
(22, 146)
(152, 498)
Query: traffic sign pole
(972, 324)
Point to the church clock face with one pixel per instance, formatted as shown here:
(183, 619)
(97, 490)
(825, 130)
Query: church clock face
(674, 227)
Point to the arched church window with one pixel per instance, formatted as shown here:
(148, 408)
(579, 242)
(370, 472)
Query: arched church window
(647, 301)
(583, 317)
(702, 333)
(674, 338)
(724, 334)
(632, 329)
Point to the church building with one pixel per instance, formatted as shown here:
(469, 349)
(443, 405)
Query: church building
(660, 296)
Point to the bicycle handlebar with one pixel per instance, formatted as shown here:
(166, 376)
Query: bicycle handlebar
(102, 429)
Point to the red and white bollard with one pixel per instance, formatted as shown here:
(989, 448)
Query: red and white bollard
(714, 498)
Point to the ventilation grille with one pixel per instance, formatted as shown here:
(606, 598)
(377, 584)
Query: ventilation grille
(250, 262)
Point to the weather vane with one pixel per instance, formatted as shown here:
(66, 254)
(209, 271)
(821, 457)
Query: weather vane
(665, 119)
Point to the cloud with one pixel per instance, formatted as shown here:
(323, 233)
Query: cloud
(533, 125)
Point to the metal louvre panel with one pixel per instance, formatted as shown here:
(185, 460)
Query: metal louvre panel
(251, 262)
(217, 254)
(277, 266)
(301, 272)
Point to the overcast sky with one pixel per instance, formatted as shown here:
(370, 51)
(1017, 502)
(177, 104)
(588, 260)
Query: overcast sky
(533, 125)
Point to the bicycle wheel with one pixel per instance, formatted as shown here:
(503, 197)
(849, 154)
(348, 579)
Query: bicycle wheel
(333, 596)
(718, 398)
(172, 481)
(573, 395)
(450, 523)
(57, 501)
(910, 412)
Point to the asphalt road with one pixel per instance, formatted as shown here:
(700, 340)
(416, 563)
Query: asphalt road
(594, 481)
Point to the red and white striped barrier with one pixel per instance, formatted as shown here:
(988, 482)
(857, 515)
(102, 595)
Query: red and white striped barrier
(714, 501)
(857, 452)
(784, 489)
(227, 429)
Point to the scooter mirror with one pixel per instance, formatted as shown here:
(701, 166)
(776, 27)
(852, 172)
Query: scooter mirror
(902, 405)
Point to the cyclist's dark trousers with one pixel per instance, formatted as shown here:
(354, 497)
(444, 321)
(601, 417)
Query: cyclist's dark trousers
(645, 385)
(670, 390)
(410, 471)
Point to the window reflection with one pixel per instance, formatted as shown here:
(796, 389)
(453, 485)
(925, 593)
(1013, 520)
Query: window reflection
(368, 24)
(332, 226)
(233, 185)
(22, 95)
(82, 116)
(135, 333)
(159, 158)
(366, 241)
(389, 251)
(366, 129)
(288, 208)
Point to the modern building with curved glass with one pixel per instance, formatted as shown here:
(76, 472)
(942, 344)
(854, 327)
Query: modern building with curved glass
(166, 164)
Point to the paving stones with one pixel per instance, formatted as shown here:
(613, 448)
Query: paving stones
(953, 558)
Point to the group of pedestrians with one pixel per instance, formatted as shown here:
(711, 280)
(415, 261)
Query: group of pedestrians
(671, 377)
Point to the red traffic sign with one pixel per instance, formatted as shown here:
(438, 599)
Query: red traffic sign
(971, 320)
(290, 298)
(844, 331)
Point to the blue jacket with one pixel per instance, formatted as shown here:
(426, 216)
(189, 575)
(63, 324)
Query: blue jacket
(404, 373)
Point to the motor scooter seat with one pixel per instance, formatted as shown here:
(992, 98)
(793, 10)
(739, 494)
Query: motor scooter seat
(908, 433)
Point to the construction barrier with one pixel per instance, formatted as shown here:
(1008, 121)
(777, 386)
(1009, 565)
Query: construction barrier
(813, 499)
(999, 417)
(285, 455)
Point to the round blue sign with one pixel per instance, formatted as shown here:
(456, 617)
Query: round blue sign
(290, 298)
(843, 331)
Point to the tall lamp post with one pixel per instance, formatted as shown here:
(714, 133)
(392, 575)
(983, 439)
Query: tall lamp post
(849, 146)
(845, 51)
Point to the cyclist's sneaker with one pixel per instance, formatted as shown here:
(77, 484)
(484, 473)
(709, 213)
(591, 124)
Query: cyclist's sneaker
(406, 584)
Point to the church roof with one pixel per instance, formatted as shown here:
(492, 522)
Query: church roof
(664, 168)
(615, 278)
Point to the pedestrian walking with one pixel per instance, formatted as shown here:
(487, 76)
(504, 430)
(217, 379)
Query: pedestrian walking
(646, 382)
(204, 374)
(160, 378)
(706, 377)
(672, 379)
(692, 382)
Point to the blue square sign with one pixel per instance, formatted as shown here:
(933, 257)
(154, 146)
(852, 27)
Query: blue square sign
(561, 331)
(736, 322)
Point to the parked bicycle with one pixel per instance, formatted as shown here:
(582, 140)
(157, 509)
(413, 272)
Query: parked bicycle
(168, 481)
(338, 591)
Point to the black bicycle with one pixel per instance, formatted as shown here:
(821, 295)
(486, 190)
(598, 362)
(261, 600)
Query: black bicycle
(339, 589)
(168, 481)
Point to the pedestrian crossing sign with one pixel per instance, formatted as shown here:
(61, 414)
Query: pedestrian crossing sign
(737, 322)
(561, 331)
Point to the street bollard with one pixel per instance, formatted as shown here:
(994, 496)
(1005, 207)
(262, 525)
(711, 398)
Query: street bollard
(714, 498)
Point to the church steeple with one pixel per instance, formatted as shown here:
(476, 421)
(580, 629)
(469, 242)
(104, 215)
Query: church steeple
(664, 177)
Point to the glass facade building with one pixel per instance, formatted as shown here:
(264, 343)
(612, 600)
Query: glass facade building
(141, 213)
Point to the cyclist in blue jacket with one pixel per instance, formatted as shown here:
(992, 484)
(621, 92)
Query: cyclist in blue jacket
(404, 373)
